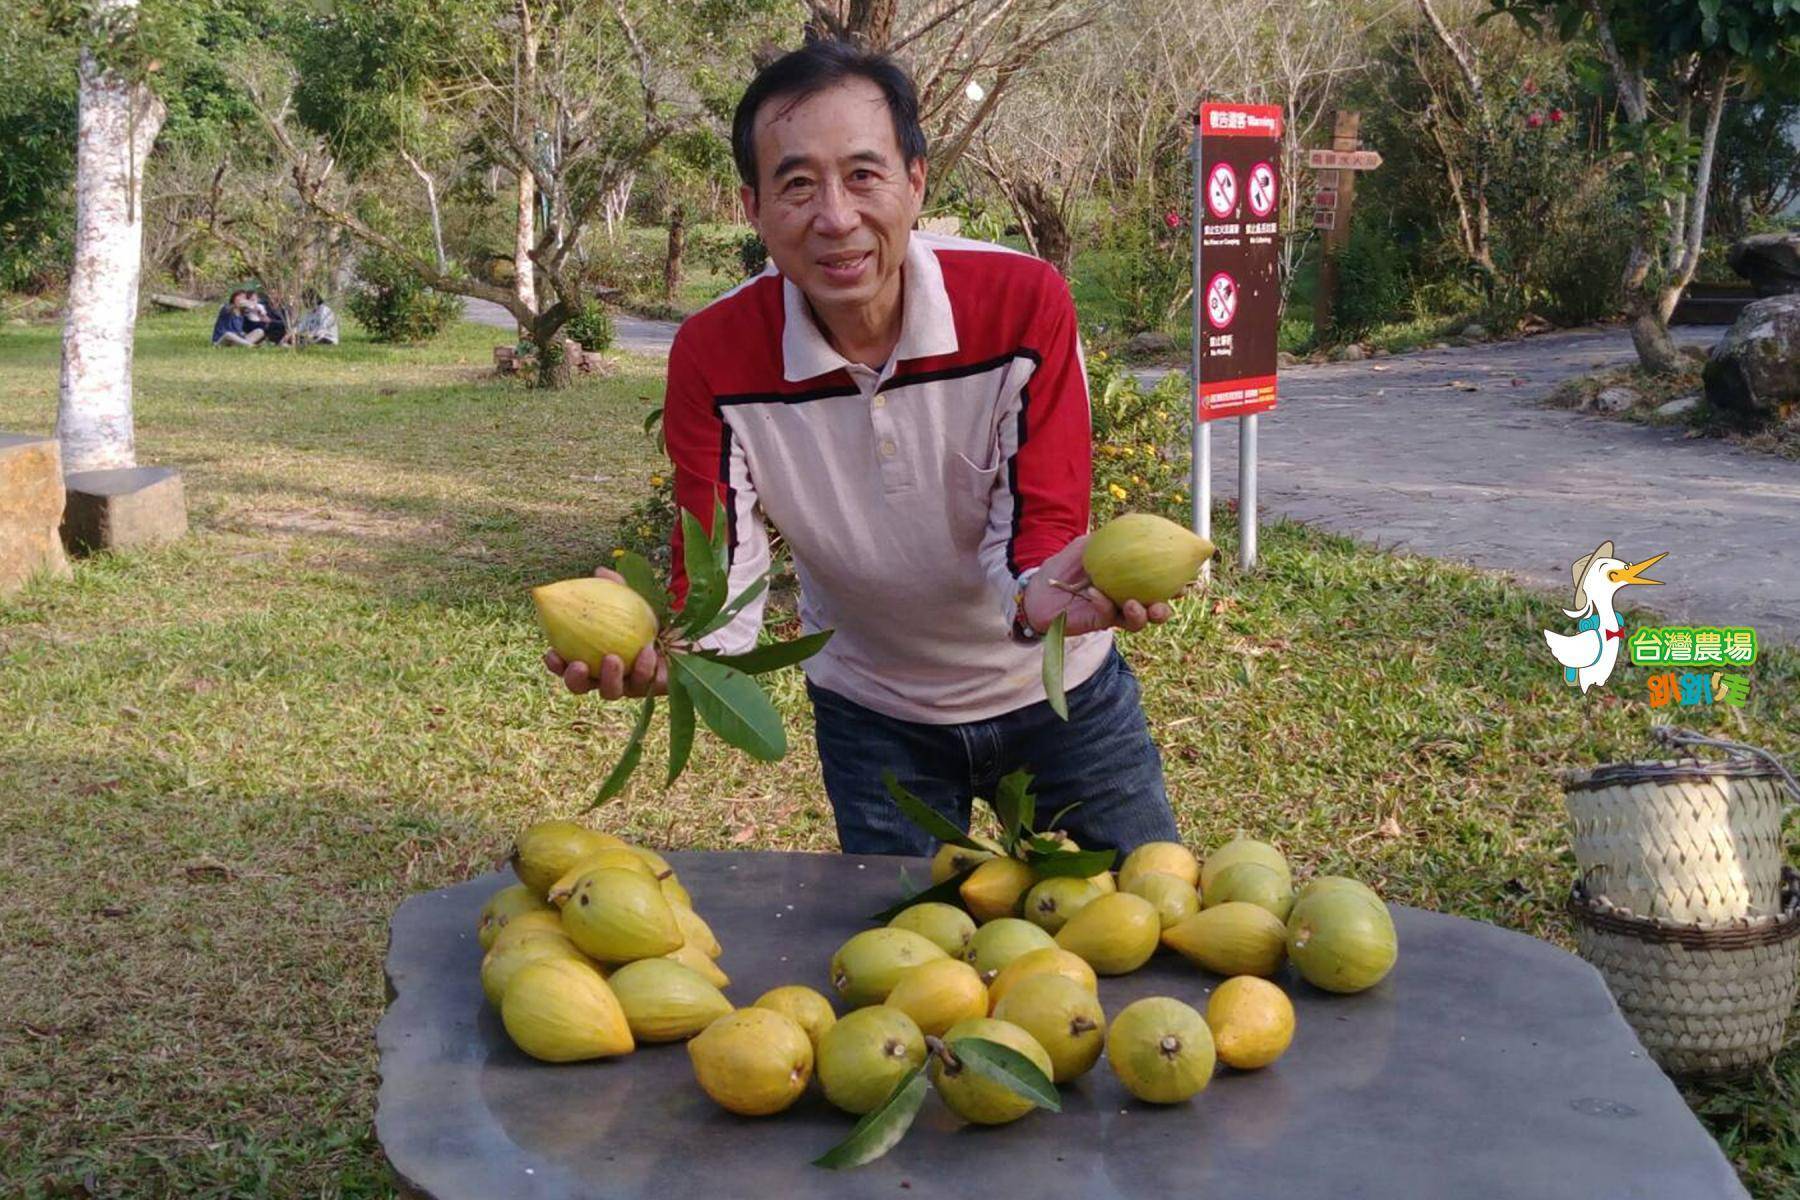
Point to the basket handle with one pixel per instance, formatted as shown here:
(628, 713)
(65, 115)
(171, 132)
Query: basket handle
(1676, 736)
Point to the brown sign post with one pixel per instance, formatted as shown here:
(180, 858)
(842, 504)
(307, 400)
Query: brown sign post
(1336, 179)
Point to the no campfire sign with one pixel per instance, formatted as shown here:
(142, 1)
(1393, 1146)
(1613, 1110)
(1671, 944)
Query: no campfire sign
(1239, 147)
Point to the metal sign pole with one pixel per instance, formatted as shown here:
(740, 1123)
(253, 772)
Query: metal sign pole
(1200, 452)
(1247, 491)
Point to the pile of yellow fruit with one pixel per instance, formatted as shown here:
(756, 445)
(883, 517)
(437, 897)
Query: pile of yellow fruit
(598, 947)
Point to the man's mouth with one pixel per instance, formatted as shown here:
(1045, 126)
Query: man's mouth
(845, 267)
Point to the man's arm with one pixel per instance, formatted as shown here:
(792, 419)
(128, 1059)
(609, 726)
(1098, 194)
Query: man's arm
(710, 465)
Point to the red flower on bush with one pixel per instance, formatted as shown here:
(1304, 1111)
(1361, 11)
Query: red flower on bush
(1556, 116)
(1534, 120)
(1530, 88)
(1172, 219)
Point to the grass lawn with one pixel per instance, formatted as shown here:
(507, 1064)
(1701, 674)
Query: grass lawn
(225, 763)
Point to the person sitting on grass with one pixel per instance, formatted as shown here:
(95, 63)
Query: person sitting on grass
(232, 326)
(318, 326)
(264, 314)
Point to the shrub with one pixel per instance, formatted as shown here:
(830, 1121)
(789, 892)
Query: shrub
(1140, 441)
(1372, 284)
(395, 305)
(1143, 263)
(591, 328)
(753, 256)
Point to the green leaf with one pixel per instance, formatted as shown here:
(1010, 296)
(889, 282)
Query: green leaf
(733, 706)
(1008, 1068)
(628, 761)
(1080, 864)
(776, 655)
(882, 1127)
(640, 577)
(947, 892)
(743, 600)
(721, 529)
(681, 728)
(930, 819)
(1015, 805)
(1053, 666)
(706, 582)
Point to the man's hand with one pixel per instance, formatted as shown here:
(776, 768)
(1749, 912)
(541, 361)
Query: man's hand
(648, 676)
(1087, 607)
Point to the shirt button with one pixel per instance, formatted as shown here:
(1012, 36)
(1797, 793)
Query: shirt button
(887, 449)
(878, 402)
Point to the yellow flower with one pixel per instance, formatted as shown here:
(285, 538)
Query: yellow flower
(643, 531)
(656, 481)
(1118, 493)
(618, 552)
(1138, 479)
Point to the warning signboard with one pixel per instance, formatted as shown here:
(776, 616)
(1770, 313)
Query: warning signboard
(1240, 254)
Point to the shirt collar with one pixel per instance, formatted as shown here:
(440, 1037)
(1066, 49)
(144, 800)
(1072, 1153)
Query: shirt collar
(927, 326)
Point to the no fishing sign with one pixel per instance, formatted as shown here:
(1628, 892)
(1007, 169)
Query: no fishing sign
(1239, 273)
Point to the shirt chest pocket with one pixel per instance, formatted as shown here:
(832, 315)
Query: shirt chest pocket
(969, 494)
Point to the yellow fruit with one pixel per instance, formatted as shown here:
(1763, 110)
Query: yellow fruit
(699, 962)
(1322, 883)
(695, 931)
(1253, 883)
(1143, 557)
(1114, 934)
(499, 966)
(545, 851)
(936, 995)
(1051, 902)
(1161, 1050)
(656, 862)
(946, 925)
(866, 968)
(529, 925)
(951, 861)
(674, 893)
(1252, 1022)
(1234, 938)
(503, 906)
(810, 1010)
(1241, 850)
(588, 619)
(613, 856)
(752, 1062)
(1342, 941)
(665, 1001)
(1064, 1017)
(618, 916)
(999, 942)
(996, 887)
(560, 1010)
(974, 1097)
(1052, 960)
(1170, 858)
(863, 1056)
(1105, 882)
(1175, 899)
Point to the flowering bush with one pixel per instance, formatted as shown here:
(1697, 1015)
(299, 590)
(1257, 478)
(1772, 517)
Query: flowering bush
(1140, 441)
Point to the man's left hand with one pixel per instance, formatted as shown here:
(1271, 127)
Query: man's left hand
(1088, 609)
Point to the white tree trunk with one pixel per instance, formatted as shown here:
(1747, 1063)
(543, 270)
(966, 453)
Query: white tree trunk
(118, 125)
(525, 236)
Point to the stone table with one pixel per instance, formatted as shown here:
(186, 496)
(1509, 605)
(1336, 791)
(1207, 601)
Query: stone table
(1488, 1064)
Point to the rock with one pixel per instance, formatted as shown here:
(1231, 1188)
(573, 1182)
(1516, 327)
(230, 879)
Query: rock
(1755, 368)
(1380, 352)
(949, 226)
(176, 303)
(1770, 261)
(1678, 407)
(124, 508)
(1613, 400)
(1438, 346)
(1284, 359)
(31, 507)
(1475, 332)
(1149, 345)
(1350, 353)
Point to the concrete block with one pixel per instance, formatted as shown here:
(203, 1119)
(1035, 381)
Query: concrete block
(124, 508)
(31, 508)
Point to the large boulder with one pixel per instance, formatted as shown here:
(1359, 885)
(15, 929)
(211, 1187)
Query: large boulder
(31, 508)
(1770, 261)
(1755, 370)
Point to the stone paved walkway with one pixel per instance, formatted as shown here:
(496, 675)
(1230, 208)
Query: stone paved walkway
(636, 334)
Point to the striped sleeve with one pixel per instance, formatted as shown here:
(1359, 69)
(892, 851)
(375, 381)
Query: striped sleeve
(710, 466)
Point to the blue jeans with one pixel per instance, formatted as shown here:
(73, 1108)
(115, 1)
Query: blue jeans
(1101, 760)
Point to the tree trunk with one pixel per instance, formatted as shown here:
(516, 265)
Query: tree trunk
(677, 247)
(1048, 231)
(1650, 337)
(117, 126)
(525, 231)
(524, 236)
(431, 201)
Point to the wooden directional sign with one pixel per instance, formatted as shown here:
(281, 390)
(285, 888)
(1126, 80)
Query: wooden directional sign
(1325, 198)
(1324, 218)
(1344, 160)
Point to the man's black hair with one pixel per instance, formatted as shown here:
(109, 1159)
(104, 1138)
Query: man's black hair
(810, 70)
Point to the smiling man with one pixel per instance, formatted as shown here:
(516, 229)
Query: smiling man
(911, 413)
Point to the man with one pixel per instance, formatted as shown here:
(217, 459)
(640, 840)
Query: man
(911, 413)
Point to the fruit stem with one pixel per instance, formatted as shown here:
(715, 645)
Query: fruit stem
(936, 1046)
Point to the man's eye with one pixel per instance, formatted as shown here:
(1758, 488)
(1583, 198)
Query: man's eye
(861, 176)
(796, 182)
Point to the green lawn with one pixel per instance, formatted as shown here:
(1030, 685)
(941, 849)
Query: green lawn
(226, 762)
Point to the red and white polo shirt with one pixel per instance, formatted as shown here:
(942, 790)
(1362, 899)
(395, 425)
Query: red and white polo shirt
(912, 498)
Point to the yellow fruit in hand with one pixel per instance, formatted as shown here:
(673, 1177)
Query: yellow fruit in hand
(1252, 1022)
(1143, 557)
(588, 619)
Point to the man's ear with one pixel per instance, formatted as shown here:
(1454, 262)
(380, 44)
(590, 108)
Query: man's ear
(915, 180)
(747, 197)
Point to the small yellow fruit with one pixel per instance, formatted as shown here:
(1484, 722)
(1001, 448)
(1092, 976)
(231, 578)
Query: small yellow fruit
(1233, 938)
(1052, 960)
(1051, 902)
(546, 850)
(499, 966)
(560, 1010)
(1143, 557)
(1324, 883)
(613, 856)
(938, 994)
(503, 906)
(1252, 1022)
(1105, 882)
(752, 1062)
(809, 1009)
(996, 887)
(1175, 899)
(1170, 858)
(699, 962)
(1115, 934)
(675, 893)
(588, 619)
(529, 925)
(1000, 941)
(974, 1097)
(656, 862)
(1161, 1050)
(695, 931)
(951, 861)
(1253, 883)
(1064, 1017)
(665, 1001)
(1341, 940)
(867, 966)
(862, 1057)
(1238, 850)
(948, 926)
(617, 916)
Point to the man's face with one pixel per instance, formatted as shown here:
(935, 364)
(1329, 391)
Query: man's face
(834, 203)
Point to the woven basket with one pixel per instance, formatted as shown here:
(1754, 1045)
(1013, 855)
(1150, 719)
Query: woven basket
(1707, 1001)
(1684, 841)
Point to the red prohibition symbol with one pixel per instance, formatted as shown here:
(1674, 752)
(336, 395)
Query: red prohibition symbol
(1221, 191)
(1262, 189)
(1221, 300)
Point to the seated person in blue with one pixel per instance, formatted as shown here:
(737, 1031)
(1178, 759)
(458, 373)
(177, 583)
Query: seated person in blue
(233, 327)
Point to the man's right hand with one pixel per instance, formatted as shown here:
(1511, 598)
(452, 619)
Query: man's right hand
(648, 676)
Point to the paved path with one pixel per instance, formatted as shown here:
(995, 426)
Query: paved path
(1399, 452)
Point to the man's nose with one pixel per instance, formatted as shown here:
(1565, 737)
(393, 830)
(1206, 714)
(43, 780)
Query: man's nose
(833, 213)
